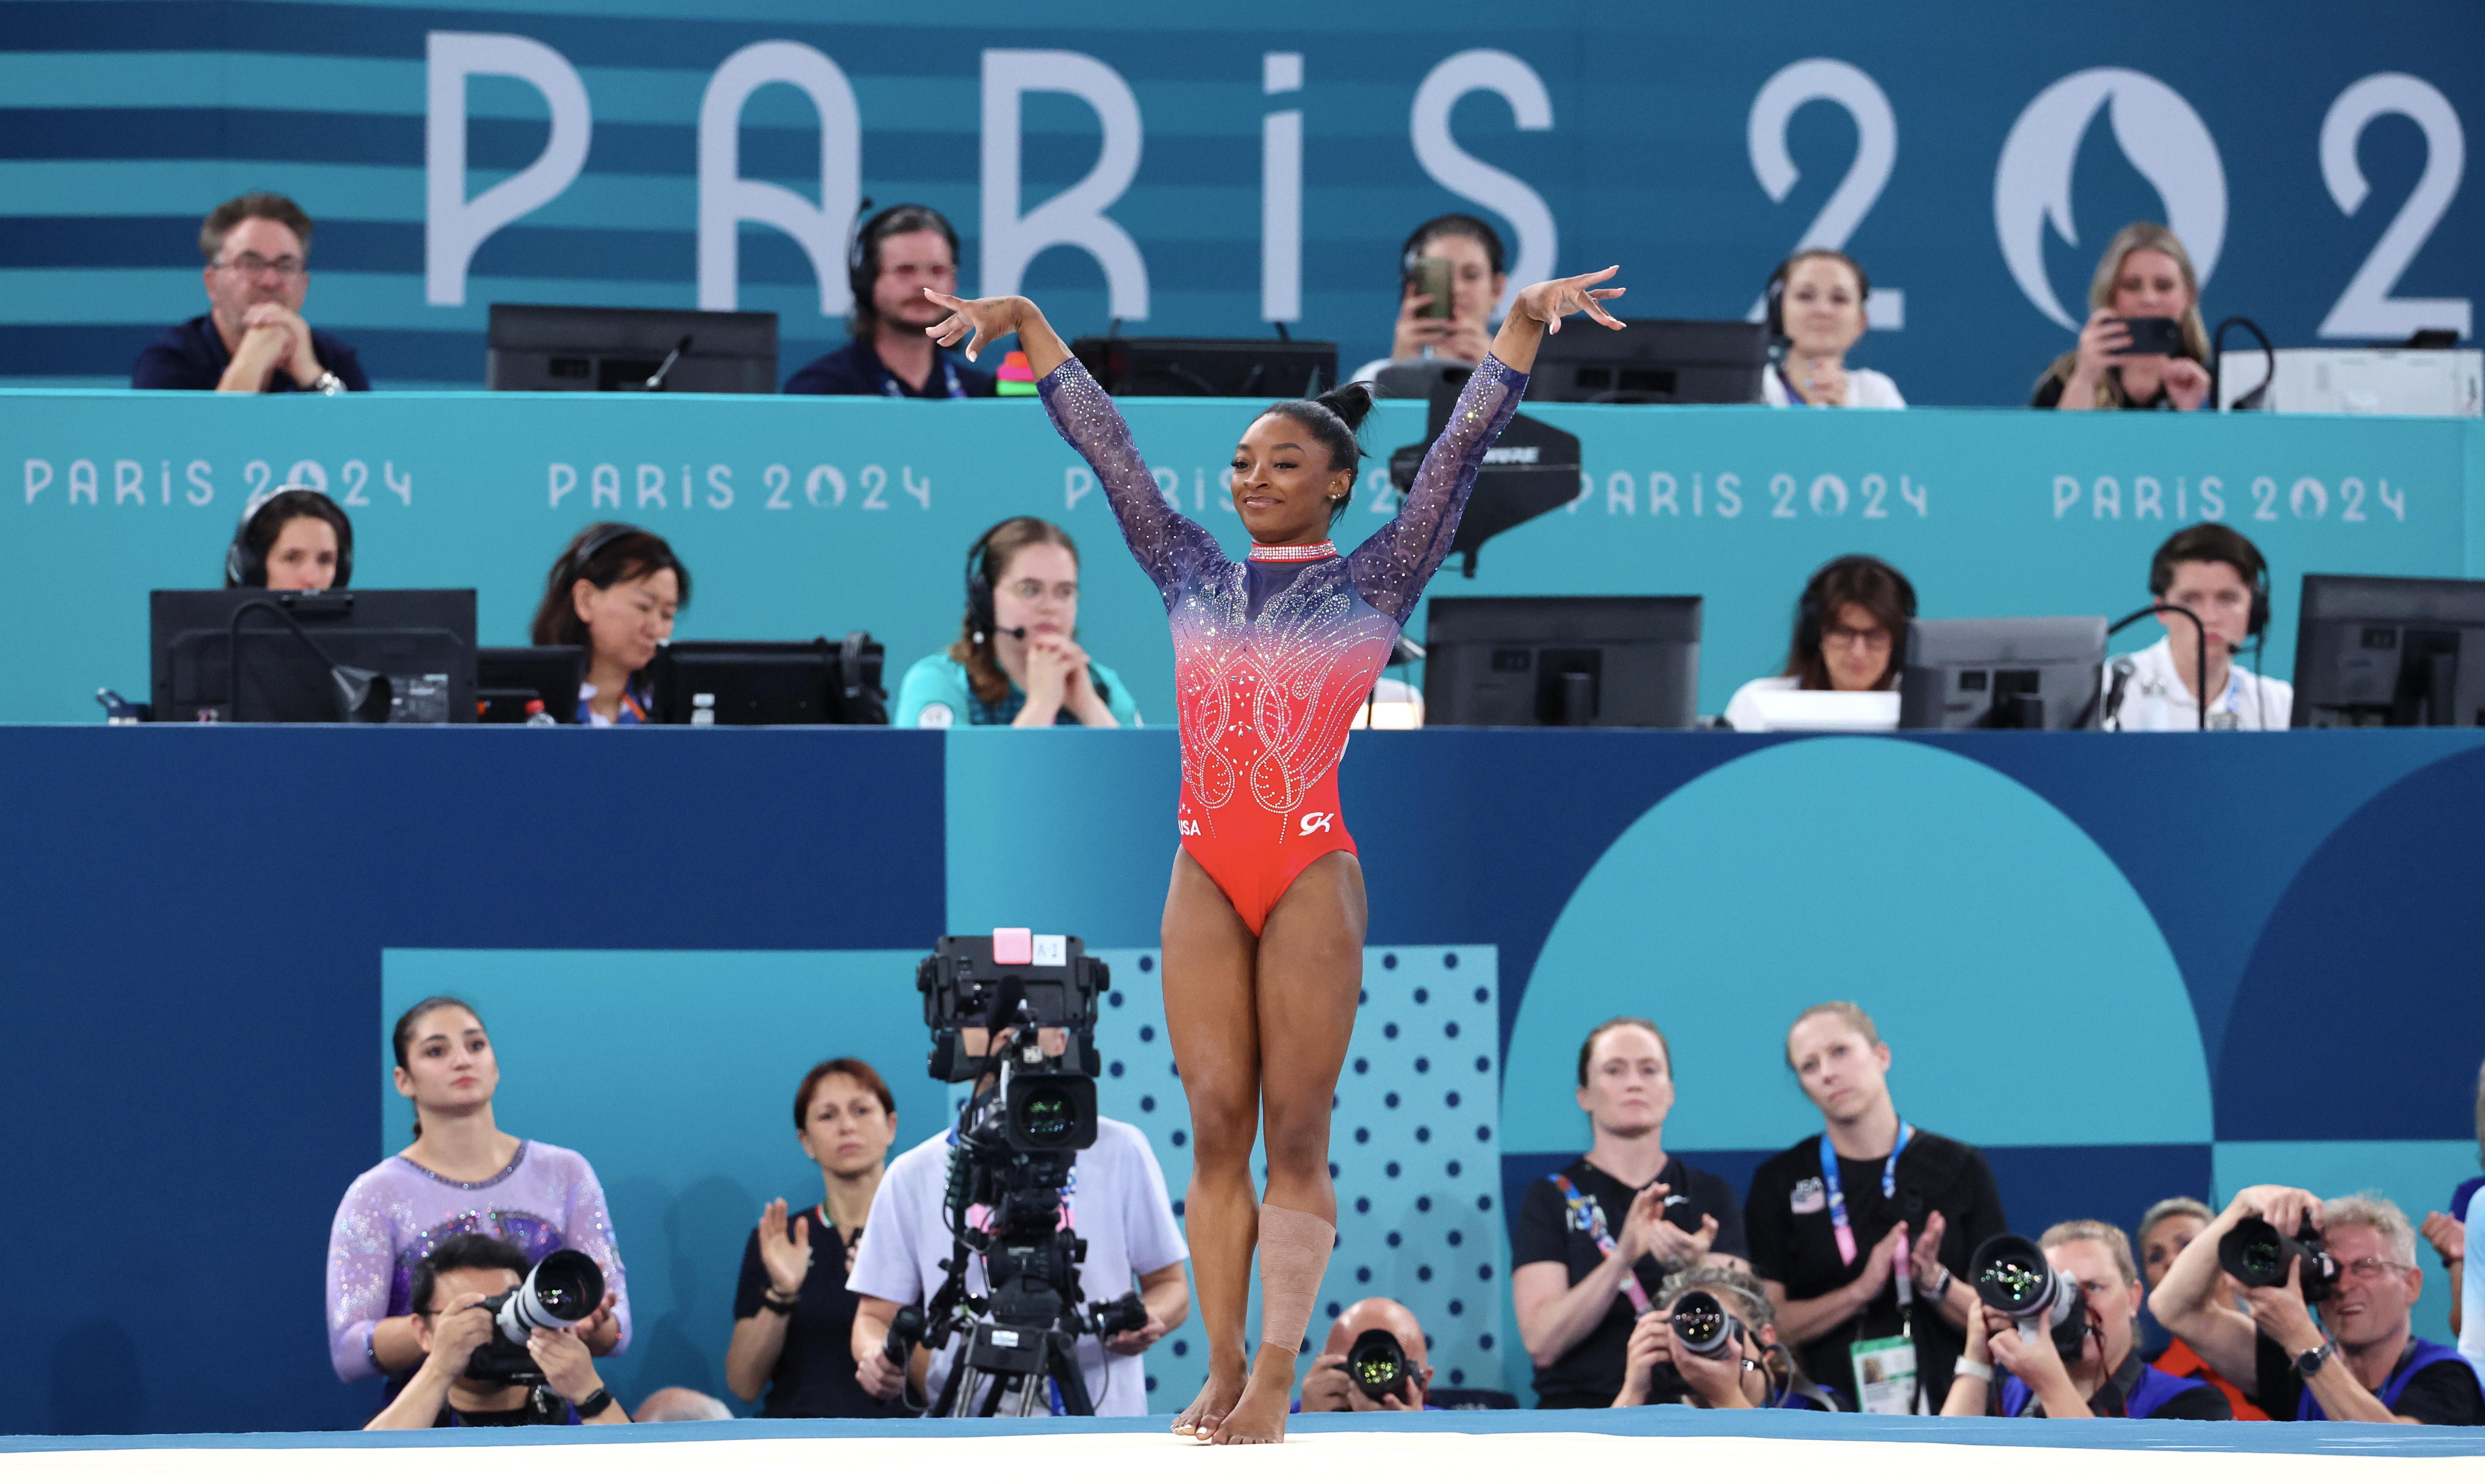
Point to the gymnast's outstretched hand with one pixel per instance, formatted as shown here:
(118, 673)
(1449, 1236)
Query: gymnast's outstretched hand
(1540, 308)
(981, 322)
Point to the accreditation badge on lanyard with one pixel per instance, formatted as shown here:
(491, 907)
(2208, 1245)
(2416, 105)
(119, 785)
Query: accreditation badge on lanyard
(1885, 1369)
(951, 386)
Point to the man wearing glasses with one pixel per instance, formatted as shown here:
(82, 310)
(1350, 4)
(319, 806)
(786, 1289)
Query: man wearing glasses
(2367, 1367)
(252, 337)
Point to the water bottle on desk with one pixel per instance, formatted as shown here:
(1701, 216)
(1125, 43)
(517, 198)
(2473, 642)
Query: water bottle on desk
(537, 716)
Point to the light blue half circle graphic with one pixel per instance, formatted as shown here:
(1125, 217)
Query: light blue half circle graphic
(2025, 994)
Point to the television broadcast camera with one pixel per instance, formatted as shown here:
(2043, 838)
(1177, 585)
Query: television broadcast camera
(1014, 1014)
(561, 1292)
(2012, 1275)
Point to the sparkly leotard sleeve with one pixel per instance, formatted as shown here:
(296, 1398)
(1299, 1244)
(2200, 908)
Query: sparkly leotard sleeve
(1272, 656)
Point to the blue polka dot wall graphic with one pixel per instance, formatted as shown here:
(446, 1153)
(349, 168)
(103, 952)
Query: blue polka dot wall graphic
(1412, 1225)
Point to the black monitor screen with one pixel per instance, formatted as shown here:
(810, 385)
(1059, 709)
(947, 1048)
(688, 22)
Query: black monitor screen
(763, 683)
(1561, 661)
(571, 347)
(2389, 651)
(507, 680)
(2036, 675)
(1653, 361)
(318, 667)
(1209, 368)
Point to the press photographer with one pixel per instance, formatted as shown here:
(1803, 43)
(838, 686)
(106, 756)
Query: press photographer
(2059, 1316)
(1374, 1361)
(1014, 1240)
(499, 1342)
(2354, 1260)
(1712, 1342)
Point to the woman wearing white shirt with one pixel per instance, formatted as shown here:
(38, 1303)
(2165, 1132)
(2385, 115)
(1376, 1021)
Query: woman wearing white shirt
(1847, 625)
(1816, 314)
(2219, 576)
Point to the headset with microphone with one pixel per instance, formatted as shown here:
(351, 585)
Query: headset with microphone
(246, 558)
(863, 249)
(982, 621)
(1775, 294)
(574, 566)
(1810, 620)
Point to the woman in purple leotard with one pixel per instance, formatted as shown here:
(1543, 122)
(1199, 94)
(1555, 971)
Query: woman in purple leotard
(1264, 918)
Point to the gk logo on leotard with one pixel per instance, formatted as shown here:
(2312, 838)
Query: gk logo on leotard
(1314, 823)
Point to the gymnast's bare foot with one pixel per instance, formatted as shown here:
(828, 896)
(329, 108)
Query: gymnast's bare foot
(1215, 1399)
(1259, 1416)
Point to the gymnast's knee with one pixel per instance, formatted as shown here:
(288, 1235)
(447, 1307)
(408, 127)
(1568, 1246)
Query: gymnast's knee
(1225, 1122)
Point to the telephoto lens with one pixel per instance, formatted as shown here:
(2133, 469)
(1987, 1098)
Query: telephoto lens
(1702, 1325)
(2257, 1257)
(564, 1289)
(2012, 1275)
(1378, 1363)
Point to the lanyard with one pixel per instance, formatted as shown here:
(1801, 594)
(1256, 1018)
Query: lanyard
(1838, 1197)
(1589, 1217)
(890, 386)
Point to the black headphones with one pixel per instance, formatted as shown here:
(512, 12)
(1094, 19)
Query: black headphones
(1807, 616)
(1456, 224)
(2257, 575)
(1776, 291)
(575, 565)
(863, 249)
(979, 589)
(246, 558)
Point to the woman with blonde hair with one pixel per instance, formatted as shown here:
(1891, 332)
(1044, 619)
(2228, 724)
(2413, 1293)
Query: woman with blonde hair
(2144, 274)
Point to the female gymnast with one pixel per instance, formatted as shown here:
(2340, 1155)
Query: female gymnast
(1263, 921)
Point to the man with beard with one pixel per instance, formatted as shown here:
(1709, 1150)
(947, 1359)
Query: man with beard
(252, 337)
(897, 254)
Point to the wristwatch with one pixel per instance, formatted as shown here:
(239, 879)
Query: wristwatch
(774, 1305)
(328, 384)
(2309, 1364)
(1941, 1290)
(595, 1404)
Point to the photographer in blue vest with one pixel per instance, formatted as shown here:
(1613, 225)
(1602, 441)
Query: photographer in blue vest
(2006, 1374)
(2360, 1363)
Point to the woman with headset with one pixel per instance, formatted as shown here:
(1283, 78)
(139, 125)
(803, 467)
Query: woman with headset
(2217, 575)
(294, 540)
(613, 591)
(1848, 625)
(1815, 314)
(1017, 660)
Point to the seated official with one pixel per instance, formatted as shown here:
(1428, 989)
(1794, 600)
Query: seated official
(793, 1315)
(681, 1404)
(1329, 1388)
(1017, 660)
(2107, 1379)
(615, 591)
(1849, 624)
(450, 1324)
(1116, 1200)
(1835, 1219)
(460, 1174)
(1474, 253)
(2214, 573)
(252, 337)
(294, 540)
(2144, 274)
(898, 254)
(2369, 1367)
(1815, 314)
(1593, 1241)
(1755, 1372)
(2166, 1228)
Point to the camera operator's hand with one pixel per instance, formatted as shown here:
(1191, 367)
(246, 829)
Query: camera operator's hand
(602, 1330)
(2283, 1206)
(1652, 1344)
(1136, 1342)
(785, 1250)
(455, 1336)
(568, 1369)
(1716, 1380)
(2036, 1363)
(2281, 1314)
(879, 1375)
(1328, 1387)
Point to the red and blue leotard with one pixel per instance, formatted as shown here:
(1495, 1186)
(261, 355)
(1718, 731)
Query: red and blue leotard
(1272, 656)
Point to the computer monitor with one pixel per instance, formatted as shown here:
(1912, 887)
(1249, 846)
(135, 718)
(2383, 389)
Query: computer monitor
(1269, 369)
(2027, 674)
(575, 347)
(768, 683)
(321, 665)
(1561, 661)
(2389, 651)
(505, 679)
(1653, 361)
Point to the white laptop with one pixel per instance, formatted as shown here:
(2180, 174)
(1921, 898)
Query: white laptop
(1828, 710)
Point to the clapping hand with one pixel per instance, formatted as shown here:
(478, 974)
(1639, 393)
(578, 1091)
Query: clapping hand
(784, 1247)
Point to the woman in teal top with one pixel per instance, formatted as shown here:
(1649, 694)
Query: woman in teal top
(1017, 661)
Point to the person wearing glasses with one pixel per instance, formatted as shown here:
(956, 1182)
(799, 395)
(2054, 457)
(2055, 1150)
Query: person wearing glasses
(1017, 661)
(2362, 1361)
(252, 337)
(1851, 625)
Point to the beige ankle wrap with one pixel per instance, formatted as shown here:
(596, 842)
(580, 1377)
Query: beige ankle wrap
(1294, 1252)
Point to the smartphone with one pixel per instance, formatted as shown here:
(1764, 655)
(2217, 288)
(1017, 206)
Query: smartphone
(2153, 336)
(1432, 276)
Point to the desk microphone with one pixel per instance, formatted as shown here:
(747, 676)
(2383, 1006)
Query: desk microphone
(2122, 669)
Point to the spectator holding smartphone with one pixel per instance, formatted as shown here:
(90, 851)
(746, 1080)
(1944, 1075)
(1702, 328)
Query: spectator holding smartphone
(2120, 361)
(1462, 329)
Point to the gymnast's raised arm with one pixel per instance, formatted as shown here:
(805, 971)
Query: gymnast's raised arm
(1164, 541)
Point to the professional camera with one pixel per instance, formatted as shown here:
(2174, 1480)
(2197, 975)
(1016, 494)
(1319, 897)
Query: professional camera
(1014, 1014)
(2258, 1257)
(562, 1290)
(2012, 1275)
(1703, 1327)
(1376, 1363)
